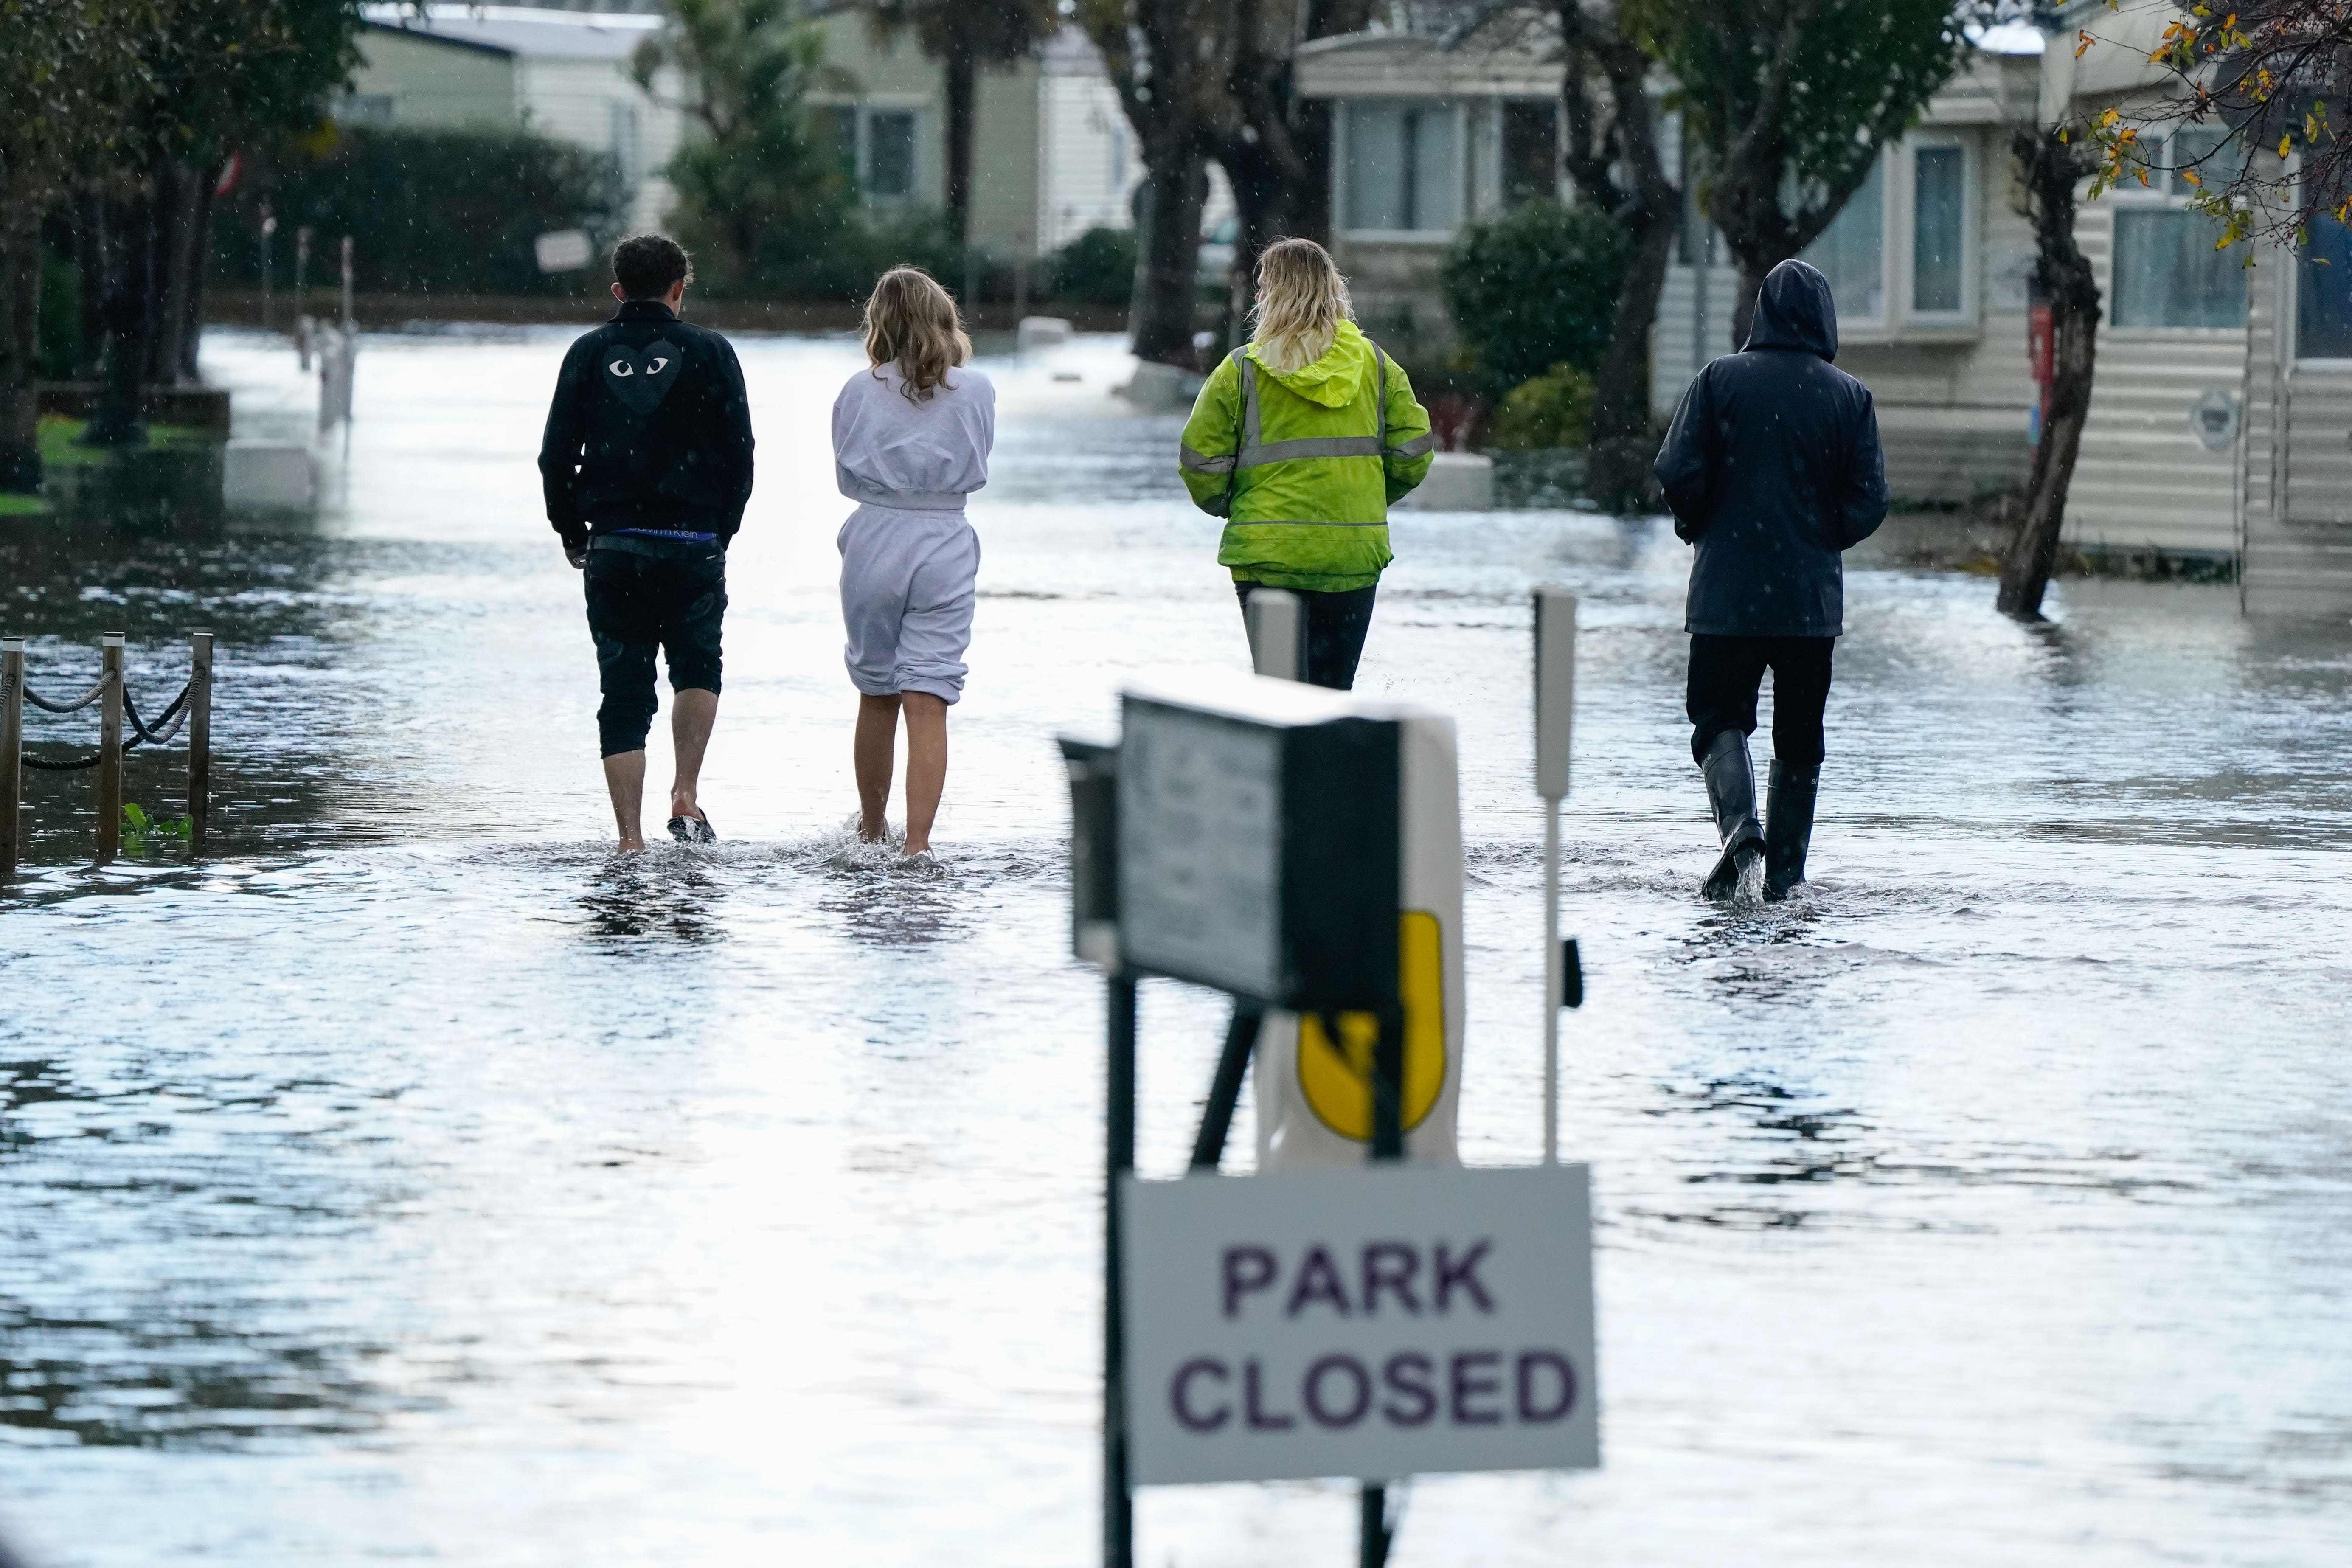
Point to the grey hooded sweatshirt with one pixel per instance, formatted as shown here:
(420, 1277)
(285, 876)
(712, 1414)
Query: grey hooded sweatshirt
(1772, 468)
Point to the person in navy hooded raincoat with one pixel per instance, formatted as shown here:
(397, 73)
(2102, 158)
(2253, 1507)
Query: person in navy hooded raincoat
(1772, 470)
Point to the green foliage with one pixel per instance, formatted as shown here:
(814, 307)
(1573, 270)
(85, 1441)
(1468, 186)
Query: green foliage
(1792, 102)
(874, 246)
(1096, 268)
(1550, 410)
(1533, 289)
(228, 73)
(140, 829)
(765, 201)
(59, 349)
(430, 211)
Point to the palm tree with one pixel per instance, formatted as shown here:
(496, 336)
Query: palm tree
(964, 35)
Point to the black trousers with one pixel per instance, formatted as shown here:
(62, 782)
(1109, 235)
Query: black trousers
(637, 605)
(1336, 628)
(1724, 674)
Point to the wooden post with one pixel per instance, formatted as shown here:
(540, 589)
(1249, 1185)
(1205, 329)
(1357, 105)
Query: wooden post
(200, 739)
(110, 748)
(12, 755)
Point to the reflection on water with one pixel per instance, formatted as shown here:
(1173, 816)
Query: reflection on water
(661, 894)
(418, 1178)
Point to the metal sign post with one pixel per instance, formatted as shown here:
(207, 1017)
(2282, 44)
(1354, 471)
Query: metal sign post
(1555, 708)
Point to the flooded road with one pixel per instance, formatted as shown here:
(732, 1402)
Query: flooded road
(416, 1181)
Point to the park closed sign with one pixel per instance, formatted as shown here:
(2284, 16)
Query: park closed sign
(1375, 1321)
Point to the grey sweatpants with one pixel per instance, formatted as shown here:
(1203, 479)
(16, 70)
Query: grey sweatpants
(906, 599)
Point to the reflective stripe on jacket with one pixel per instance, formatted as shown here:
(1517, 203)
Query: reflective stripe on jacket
(1303, 464)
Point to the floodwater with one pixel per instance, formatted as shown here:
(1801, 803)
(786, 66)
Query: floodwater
(415, 1181)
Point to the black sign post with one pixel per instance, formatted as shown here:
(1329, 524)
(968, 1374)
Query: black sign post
(1252, 845)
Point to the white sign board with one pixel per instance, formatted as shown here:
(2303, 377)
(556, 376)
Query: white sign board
(563, 250)
(1379, 1321)
(1201, 847)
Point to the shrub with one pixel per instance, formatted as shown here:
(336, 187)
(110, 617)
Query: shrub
(1096, 268)
(429, 211)
(1534, 289)
(1554, 409)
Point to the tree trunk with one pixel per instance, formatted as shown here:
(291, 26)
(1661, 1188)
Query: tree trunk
(1310, 210)
(962, 70)
(182, 201)
(1751, 283)
(126, 313)
(1623, 441)
(1616, 163)
(89, 261)
(1265, 196)
(2063, 276)
(192, 330)
(1168, 256)
(20, 342)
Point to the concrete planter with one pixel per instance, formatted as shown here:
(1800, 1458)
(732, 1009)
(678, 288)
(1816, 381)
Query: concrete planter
(1457, 481)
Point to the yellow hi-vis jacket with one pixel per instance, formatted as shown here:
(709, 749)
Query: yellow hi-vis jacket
(1303, 464)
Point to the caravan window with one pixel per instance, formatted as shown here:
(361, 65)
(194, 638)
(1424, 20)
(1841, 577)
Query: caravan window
(1404, 167)
(2323, 292)
(877, 146)
(1852, 252)
(1530, 150)
(2166, 271)
(890, 154)
(1939, 228)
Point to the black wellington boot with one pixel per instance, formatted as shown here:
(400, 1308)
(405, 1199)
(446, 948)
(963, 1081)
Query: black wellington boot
(1787, 826)
(1731, 796)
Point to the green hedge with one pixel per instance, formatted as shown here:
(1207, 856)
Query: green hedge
(1534, 289)
(429, 211)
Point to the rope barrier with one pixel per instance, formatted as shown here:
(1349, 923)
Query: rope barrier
(77, 765)
(76, 706)
(190, 710)
(167, 724)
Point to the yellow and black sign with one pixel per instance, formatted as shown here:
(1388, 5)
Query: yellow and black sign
(1337, 1079)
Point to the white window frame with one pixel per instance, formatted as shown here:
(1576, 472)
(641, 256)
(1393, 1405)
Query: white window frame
(1341, 167)
(1904, 193)
(1898, 241)
(862, 110)
(2162, 193)
(1890, 211)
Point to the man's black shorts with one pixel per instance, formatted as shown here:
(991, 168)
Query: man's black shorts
(636, 603)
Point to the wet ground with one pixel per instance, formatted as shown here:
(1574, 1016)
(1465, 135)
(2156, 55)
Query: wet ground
(416, 1181)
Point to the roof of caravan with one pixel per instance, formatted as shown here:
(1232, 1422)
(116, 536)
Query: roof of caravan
(1372, 64)
(530, 31)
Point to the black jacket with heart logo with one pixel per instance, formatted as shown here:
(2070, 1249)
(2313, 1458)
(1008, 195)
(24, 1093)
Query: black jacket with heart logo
(649, 429)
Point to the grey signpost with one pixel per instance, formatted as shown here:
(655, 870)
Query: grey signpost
(1555, 709)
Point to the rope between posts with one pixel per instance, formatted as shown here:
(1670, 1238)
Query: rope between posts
(76, 706)
(167, 725)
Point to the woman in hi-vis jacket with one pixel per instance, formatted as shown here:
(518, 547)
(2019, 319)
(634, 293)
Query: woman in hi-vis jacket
(1302, 441)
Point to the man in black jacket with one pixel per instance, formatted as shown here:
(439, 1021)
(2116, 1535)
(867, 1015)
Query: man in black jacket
(1772, 468)
(647, 466)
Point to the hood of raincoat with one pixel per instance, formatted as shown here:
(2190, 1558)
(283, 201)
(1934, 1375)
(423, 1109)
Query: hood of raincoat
(1333, 380)
(1794, 310)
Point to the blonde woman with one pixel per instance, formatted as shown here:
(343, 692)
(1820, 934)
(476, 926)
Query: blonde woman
(1302, 441)
(911, 435)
